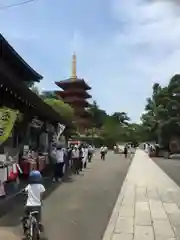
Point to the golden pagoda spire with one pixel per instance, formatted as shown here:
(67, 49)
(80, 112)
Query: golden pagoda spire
(73, 73)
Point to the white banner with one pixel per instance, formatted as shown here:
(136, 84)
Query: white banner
(61, 128)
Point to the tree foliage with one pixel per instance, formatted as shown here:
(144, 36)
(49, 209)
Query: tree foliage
(65, 110)
(62, 108)
(97, 115)
(111, 128)
(35, 89)
(161, 119)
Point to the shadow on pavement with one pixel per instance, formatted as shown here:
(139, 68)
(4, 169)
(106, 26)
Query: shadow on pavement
(14, 207)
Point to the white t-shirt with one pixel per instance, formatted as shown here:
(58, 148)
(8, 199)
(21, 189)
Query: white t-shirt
(75, 153)
(60, 156)
(90, 149)
(102, 149)
(34, 194)
(85, 154)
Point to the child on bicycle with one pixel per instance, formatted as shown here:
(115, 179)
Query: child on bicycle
(34, 190)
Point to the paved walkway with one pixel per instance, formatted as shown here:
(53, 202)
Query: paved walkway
(148, 207)
(78, 209)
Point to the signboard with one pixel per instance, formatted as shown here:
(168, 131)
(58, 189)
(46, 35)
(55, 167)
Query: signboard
(61, 128)
(56, 137)
(7, 120)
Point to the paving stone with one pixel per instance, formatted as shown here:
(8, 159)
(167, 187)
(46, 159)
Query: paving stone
(157, 210)
(124, 225)
(162, 238)
(167, 197)
(141, 194)
(130, 189)
(142, 214)
(171, 208)
(154, 203)
(144, 233)
(122, 236)
(127, 211)
(174, 219)
(153, 194)
(177, 232)
(163, 228)
(176, 197)
(128, 201)
(129, 196)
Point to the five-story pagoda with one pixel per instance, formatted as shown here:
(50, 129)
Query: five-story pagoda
(75, 94)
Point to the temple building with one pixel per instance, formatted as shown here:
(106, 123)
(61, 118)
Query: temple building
(15, 78)
(74, 92)
(26, 107)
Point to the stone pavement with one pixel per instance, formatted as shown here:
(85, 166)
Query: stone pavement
(148, 206)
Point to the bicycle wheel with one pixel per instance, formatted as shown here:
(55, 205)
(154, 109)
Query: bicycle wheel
(27, 229)
(36, 231)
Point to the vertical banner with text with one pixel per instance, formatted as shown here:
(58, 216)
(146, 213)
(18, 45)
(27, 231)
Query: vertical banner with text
(7, 120)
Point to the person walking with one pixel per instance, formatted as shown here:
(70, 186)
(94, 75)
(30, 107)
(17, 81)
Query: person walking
(75, 159)
(85, 156)
(115, 149)
(90, 153)
(126, 150)
(81, 158)
(103, 152)
(60, 155)
(69, 157)
(55, 164)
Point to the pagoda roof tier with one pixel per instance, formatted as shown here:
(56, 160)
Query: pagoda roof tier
(82, 113)
(76, 102)
(16, 63)
(83, 121)
(73, 83)
(73, 92)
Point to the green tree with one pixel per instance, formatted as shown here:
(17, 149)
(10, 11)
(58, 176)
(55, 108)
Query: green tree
(62, 108)
(121, 117)
(116, 128)
(35, 89)
(98, 116)
(49, 94)
(65, 110)
(162, 112)
(30, 84)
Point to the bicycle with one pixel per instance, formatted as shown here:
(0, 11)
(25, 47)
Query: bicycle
(31, 226)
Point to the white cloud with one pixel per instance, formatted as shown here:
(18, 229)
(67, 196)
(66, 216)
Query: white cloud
(148, 40)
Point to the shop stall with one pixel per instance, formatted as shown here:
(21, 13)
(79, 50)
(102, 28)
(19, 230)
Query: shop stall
(16, 76)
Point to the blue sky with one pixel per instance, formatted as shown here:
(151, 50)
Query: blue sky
(122, 46)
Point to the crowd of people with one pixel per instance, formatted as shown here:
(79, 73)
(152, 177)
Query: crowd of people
(74, 157)
(128, 149)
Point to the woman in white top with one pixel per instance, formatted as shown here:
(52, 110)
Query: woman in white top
(75, 159)
(60, 161)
